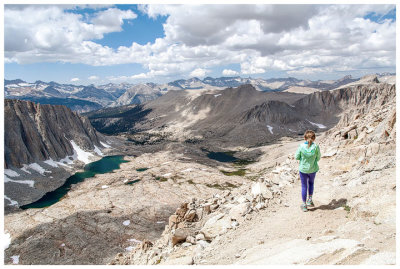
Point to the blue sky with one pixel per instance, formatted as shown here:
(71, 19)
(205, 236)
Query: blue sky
(161, 43)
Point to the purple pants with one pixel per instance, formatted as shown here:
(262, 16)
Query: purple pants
(307, 180)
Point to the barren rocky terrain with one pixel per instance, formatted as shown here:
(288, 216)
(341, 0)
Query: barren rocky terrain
(112, 212)
(173, 205)
(353, 221)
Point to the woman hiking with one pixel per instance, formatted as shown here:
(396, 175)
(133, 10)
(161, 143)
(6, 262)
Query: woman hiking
(308, 154)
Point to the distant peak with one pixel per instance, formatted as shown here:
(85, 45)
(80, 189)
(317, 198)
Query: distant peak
(14, 81)
(345, 77)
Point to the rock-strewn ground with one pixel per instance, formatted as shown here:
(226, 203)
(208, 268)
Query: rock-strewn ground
(353, 221)
(106, 214)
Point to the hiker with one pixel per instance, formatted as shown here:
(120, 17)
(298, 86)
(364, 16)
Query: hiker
(308, 154)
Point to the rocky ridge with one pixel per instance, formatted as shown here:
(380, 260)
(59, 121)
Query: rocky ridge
(235, 116)
(44, 144)
(88, 98)
(39, 132)
(353, 223)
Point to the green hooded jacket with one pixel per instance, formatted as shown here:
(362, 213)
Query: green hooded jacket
(308, 157)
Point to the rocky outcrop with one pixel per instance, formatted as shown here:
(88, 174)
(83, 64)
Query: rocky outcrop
(37, 132)
(43, 146)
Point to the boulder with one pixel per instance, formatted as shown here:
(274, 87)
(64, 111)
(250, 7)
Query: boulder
(260, 206)
(216, 225)
(200, 236)
(239, 210)
(203, 244)
(234, 224)
(207, 208)
(345, 132)
(173, 220)
(214, 207)
(260, 188)
(186, 244)
(190, 215)
(179, 235)
(191, 239)
(180, 212)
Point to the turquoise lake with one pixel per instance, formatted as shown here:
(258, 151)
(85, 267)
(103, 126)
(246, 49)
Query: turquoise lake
(105, 165)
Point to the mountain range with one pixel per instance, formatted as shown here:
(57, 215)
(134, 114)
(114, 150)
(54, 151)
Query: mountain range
(88, 98)
(233, 116)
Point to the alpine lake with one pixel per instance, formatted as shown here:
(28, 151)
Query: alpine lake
(105, 165)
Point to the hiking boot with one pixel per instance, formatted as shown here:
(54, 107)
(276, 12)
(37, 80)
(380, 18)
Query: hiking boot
(304, 207)
(310, 202)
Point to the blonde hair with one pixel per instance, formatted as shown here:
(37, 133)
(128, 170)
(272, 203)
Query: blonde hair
(309, 136)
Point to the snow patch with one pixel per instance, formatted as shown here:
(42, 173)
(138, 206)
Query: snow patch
(158, 222)
(317, 124)
(31, 183)
(12, 202)
(98, 151)
(15, 259)
(11, 173)
(270, 129)
(82, 155)
(38, 168)
(167, 175)
(126, 223)
(187, 170)
(24, 169)
(24, 84)
(105, 145)
(104, 187)
(216, 95)
(51, 162)
(7, 240)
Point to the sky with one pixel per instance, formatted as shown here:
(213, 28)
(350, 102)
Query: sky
(99, 44)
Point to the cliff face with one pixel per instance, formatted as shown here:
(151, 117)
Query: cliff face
(35, 132)
(359, 96)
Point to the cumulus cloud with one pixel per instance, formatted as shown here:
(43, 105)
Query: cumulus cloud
(297, 39)
(112, 19)
(199, 72)
(229, 72)
(93, 78)
(37, 33)
(74, 79)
